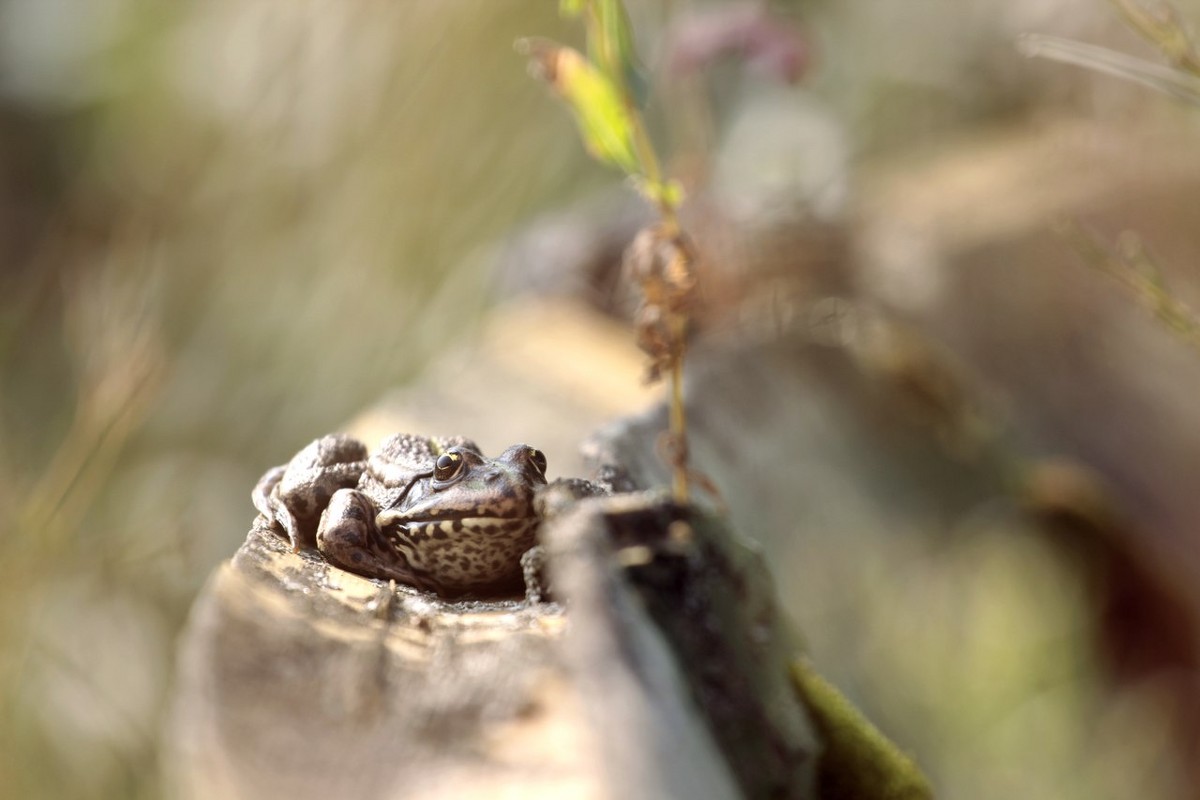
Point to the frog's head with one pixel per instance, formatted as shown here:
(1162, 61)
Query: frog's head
(469, 518)
(465, 494)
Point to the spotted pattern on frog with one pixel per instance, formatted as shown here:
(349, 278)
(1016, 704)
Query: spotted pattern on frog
(434, 513)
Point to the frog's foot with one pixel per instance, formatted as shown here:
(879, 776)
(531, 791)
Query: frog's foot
(261, 496)
(278, 515)
(292, 527)
(349, 538)
(533, 567)
(282, 517)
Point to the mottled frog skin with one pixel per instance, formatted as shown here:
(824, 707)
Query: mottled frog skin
(433, 513)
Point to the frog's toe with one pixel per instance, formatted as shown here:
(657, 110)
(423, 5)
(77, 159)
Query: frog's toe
(293, 532)
(282, 517)
(264, 490)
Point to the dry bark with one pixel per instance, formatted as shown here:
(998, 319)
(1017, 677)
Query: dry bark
(665, 678)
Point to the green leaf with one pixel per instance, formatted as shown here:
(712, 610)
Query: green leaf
(604, 119)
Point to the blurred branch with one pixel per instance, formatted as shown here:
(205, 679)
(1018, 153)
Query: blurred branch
(1136, 269)
(1175, 82)
(1162, 25)
(115, 343)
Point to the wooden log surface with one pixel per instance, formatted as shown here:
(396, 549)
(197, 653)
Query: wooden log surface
(301, 680)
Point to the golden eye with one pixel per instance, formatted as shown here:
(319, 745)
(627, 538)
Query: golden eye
(538, 459)
(447, 466)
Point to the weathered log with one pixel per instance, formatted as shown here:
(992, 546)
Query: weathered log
(298, 679)
(301, 680)
(663, 671)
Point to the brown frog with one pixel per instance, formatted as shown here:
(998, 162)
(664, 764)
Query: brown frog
(434, 513)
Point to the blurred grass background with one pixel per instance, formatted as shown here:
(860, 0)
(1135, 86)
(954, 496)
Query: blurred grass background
(226, 227)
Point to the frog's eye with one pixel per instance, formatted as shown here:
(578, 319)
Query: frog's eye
(538, 459)
(447, 466)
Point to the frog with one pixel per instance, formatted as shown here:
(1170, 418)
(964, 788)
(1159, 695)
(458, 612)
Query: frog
(433, 513)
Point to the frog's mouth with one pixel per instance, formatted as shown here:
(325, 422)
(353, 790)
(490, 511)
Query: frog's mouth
(457, 522)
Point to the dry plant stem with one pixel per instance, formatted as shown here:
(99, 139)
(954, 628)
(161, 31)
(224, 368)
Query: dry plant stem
(120, 369)
(677, 322)
(1162, 27)
(645, 151)
(678, 420)
(89, 456)
(1139, 275)
(614, 131)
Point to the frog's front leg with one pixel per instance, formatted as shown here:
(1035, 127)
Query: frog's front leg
(350, 538)
(533, 569)
(295, 495)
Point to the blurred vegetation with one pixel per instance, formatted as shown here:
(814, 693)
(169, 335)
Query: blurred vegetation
(228, 227)
(225, 227)
(1161, 25)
